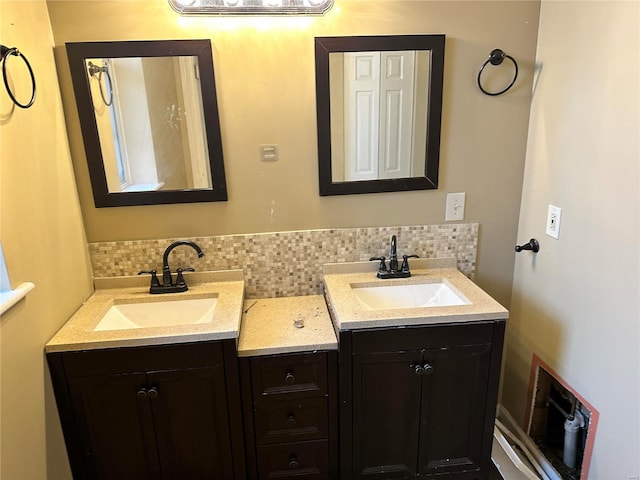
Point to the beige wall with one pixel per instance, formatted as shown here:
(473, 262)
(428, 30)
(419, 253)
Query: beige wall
(43, 241)
(266, 92)
(577, 304)
(582, 161)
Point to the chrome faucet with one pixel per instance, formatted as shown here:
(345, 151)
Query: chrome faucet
(393, 271)
(167, 285)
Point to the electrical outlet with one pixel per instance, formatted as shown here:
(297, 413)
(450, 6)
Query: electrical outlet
(455, 206)
(553, 221)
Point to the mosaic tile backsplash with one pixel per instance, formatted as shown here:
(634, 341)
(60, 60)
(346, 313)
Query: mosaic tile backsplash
(286, 264)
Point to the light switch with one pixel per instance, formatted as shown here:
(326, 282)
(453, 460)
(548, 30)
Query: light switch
(455, 206)
(268, 153)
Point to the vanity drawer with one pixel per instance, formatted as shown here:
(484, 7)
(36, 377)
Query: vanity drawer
(294, 420)
(304, 460)
(293, 375)
(111, 361)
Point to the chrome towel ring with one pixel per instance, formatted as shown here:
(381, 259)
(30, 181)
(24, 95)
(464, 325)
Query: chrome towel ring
(5, 52)
(95, 69)
(495, 58)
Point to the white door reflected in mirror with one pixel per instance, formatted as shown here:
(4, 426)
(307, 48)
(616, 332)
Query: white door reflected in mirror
(379, 114)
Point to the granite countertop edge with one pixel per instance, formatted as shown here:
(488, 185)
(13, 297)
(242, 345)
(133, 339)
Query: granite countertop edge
(78, 334)
(348, 314)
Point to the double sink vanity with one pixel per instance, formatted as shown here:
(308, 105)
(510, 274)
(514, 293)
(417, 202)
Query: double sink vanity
(393, 378)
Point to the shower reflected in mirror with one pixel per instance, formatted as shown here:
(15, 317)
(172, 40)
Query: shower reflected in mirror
(149, 120)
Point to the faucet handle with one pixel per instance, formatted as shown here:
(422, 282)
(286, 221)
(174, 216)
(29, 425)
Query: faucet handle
(383, 265)
(154, 277)
(405, 262)
(179, 278)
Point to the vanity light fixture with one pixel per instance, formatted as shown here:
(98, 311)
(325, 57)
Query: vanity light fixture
(251, 7)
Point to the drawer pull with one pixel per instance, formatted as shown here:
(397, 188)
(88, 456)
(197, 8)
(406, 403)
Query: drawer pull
(142, 394)
(291, 420)
(289, 377)
(293, 462)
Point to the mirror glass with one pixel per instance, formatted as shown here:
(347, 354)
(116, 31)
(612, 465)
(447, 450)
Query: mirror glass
(149, 120)
(379, 103)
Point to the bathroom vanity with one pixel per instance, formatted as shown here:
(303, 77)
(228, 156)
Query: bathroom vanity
(288, 367)
(380, 379)
(152, 401)
(419, 373)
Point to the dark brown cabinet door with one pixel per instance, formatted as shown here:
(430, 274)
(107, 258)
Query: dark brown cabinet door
(151, 412)
(386, 415)
(454, 400)
(157, 425)
(191, 423)
(419, 402)
(115, 427)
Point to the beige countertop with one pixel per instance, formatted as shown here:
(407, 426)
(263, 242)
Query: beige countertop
(349, 314)
(226, 286)
(286, 325)
(272, 325)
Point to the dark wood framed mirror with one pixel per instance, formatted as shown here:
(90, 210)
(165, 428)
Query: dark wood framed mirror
(149, 118)
(379, 108)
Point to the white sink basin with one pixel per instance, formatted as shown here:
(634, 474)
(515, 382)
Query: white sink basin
(419, 295)
(160, 313)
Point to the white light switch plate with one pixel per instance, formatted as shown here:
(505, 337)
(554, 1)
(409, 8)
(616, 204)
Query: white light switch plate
(269, 153)
(455, 206)
(553, 221)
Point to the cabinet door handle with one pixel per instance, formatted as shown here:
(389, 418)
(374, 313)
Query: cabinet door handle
(291, 420)
(153, 393)
(289, 377)
(428, 369)
(142, 394)
(418, 370)
(293, 462)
